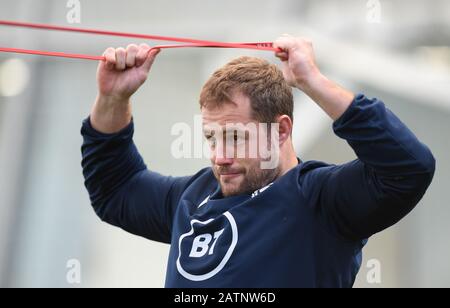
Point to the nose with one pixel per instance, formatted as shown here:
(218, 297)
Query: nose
(223, 161)
(221, 157)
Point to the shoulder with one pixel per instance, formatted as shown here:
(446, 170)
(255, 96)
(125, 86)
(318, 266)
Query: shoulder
(317, 171)
(204, 179)
(313, 168)
(308, 177)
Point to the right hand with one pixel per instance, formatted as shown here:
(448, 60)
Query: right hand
(298, 61)
(124, 71)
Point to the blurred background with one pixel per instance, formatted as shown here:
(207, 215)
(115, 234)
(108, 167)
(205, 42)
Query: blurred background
(396, 50)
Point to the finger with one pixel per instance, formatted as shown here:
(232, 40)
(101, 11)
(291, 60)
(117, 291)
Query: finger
(285, 42)
(142, 54)
(150, 59)
(131, 55)
(110, 58)
(283, 56)
(121, 55)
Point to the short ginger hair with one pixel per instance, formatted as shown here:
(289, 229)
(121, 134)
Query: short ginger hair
(261, 81)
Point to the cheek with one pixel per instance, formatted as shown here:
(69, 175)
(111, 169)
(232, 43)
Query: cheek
(211, 154)
(246, 164)
(255, 166)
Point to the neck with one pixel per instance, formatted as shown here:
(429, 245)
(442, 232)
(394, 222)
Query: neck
(288, 159)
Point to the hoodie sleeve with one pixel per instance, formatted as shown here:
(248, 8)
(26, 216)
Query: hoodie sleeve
(123, 192)
(389, 178)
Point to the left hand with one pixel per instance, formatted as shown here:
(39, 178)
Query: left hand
(298, 61)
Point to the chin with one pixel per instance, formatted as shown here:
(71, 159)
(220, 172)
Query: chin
(229, 190)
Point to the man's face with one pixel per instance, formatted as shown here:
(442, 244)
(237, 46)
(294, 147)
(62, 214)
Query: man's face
(235, 140)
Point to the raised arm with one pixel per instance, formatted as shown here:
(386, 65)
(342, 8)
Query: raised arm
(393, 169)
(122, 190)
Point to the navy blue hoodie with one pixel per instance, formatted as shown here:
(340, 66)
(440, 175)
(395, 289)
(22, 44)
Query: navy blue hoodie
(306, 229)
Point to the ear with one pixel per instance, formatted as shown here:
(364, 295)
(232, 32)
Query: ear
(284, 129)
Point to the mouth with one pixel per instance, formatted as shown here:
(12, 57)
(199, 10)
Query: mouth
(230, 175)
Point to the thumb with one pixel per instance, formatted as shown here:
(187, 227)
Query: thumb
(151, 56)
(284, 43)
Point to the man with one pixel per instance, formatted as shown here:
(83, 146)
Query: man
(237, 224)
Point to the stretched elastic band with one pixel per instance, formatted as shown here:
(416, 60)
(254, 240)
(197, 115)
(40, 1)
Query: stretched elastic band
(267, 46)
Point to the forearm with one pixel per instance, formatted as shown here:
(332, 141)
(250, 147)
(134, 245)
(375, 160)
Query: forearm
(109, 160)
(332, 98)
(108, 115)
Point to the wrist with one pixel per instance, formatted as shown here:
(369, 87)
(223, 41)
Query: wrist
(331, 97)
(313, 81)
(110, 114)
(112, 100)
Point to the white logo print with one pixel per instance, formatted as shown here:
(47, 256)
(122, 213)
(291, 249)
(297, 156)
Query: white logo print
(204, 244)
(204, 202)
(261, 190)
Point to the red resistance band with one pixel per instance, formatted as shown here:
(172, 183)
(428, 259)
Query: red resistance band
(268, 46)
